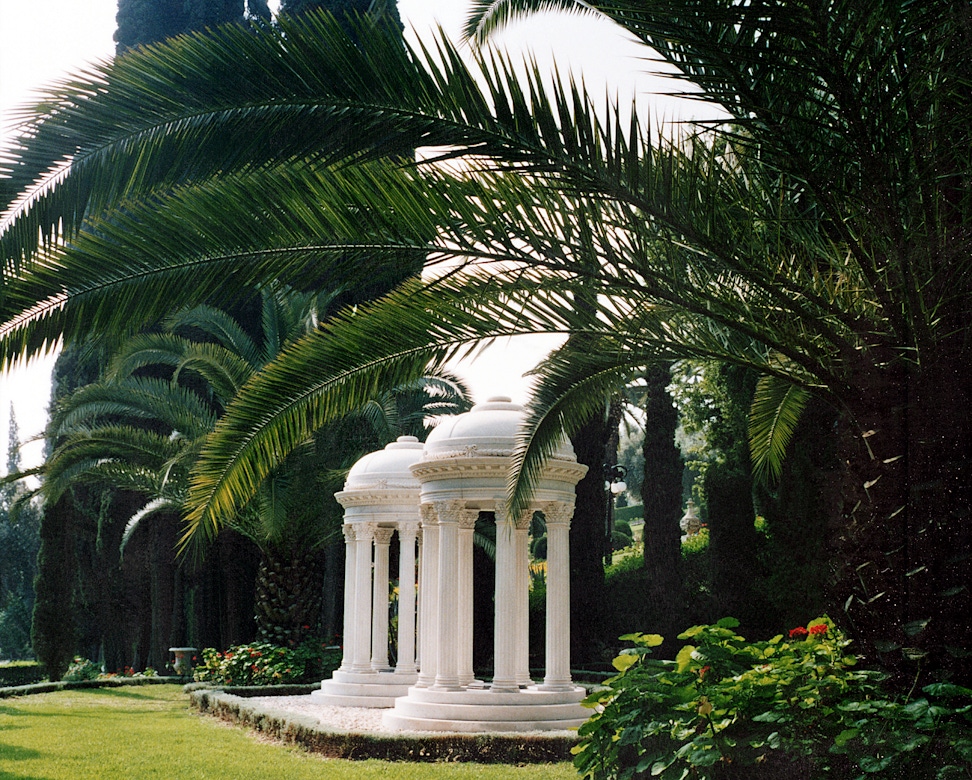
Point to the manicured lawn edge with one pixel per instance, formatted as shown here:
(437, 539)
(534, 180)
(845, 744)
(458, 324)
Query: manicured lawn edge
(248, 691)
(335, 743)
(62, 685)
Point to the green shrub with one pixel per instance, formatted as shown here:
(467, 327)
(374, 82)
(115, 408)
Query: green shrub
(696, 543)
(82, 669)
(20, 673)
(260, 663)
(620, 540)
(731, 708)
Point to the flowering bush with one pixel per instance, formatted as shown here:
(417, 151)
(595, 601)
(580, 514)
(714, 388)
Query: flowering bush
(82, 669)
(729, 708)
(260, 663)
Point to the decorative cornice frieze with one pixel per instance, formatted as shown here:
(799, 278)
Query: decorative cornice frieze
(377, 497)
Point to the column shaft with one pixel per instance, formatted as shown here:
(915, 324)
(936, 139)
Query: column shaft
(406, 598)
(429, 597)
(467, 528)
(361, 658)
(557, 675)
(522, 614)
(504, 639)
(347, 638)
(379, 610)
(447, 667)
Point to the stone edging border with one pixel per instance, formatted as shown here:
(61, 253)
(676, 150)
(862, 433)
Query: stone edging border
(306, 732)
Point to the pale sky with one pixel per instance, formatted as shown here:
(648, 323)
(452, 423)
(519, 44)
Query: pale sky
(43, 40)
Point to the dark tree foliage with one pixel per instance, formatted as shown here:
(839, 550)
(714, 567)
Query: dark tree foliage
(798, 557)
(587, 543)
(341, 8)
(150, 21)
(52, 628)
(661, 495)
(19, 543)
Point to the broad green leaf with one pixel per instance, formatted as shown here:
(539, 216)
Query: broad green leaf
(684, 658)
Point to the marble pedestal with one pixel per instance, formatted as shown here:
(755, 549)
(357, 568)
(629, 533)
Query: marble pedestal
(481, 710)
(364, 689)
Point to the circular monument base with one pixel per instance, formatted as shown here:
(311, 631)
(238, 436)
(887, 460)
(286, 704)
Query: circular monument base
(481, 710)
(364, 689)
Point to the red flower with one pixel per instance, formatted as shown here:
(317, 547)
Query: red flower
(798, 633)
(818, 630)
(703, 670)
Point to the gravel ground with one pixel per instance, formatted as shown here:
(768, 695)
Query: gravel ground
(341, 718)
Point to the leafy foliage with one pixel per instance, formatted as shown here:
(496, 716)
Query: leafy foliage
(260, 663)
(726, 707)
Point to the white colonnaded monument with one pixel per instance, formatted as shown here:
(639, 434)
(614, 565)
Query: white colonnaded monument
(431, 496)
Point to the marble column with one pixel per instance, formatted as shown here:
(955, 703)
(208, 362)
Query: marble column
(447, 653)
(361, 658)
(467, 529)
(347, 638)
(407, 532)
(418, 601)
(523, 599)
(428, 595)
(557, 676)
(504, 637)
(379, 600)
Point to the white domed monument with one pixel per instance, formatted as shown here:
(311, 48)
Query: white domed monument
(380, 498)
(460, 472)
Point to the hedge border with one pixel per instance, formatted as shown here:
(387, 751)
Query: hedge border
(331, 742)
(64, 685)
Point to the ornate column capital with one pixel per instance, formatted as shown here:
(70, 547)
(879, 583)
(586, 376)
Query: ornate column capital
(524, 519)
(557, 512)
(383, 535)
(365, 532)
(409, 528)
(468, 518)
(429, 516)
(520, 521)
(451, 511)
(348, 530)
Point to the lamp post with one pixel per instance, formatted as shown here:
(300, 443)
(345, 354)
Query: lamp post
(614, 485)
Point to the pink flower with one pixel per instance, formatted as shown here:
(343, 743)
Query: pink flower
(798, 633)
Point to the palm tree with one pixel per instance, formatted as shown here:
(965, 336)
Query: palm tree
(141, 433)
(819, 237)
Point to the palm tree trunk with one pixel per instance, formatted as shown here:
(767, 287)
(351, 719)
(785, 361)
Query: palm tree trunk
(288, 596)
(906, 547)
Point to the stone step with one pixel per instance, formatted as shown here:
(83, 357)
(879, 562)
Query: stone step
(484, 696)
(497, 713)
(392, 720)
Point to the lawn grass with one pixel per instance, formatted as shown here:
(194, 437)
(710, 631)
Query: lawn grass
(149, 732)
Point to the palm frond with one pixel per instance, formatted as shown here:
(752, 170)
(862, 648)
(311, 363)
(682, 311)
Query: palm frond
(137, 399)
(775, 413)
(488, 17)
(155, 507)
(219, 325)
